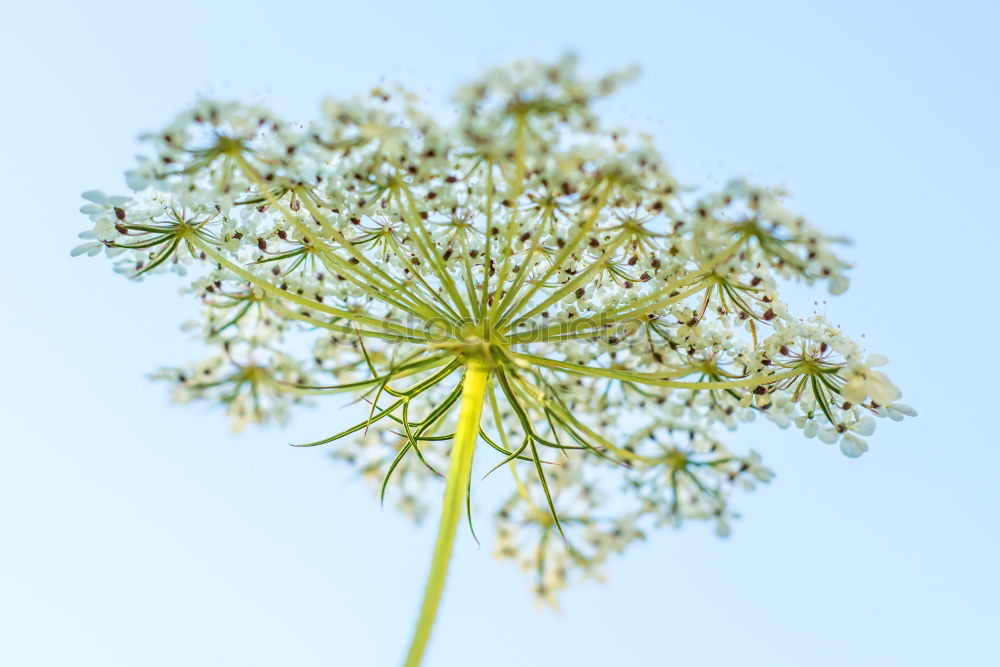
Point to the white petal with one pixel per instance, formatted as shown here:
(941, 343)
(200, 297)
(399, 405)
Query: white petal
(838, 284)
(853, 446)
(881, 389)
(854, 390)
(88, 248)
(95, 196)
(829, 435)
(763, 474)
(865, 426)
(93, 209)
(136, 179)
(877, 360)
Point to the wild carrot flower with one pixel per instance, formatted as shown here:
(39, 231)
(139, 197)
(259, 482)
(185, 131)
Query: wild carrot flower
(521, 286)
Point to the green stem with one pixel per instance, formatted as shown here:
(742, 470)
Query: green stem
(474, 385)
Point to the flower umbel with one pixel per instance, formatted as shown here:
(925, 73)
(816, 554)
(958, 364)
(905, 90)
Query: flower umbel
(521, 285)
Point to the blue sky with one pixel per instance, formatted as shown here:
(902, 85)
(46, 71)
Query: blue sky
(135, 532)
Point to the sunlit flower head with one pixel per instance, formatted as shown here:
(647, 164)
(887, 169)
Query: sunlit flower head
(618, 324)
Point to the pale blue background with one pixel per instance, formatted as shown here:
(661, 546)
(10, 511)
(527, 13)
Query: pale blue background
(135, 532)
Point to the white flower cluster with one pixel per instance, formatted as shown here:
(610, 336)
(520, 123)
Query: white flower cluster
(625, 321)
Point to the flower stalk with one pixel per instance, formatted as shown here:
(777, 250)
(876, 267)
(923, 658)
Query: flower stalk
(474, 387)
